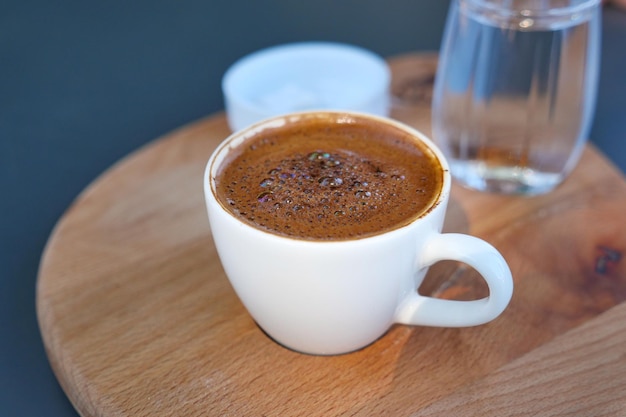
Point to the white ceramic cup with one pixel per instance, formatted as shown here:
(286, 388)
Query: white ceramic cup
(305, 76)
(333, 297)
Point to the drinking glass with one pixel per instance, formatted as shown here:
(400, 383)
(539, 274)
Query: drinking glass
(515, 91)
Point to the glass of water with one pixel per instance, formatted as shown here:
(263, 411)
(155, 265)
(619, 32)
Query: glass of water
(515, 91)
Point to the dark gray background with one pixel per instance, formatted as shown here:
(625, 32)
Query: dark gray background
(83, 83)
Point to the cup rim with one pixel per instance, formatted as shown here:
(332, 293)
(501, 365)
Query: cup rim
(240, 136)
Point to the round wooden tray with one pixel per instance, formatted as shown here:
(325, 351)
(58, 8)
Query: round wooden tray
(138, 318)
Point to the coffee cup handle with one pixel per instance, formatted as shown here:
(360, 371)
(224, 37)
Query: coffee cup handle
(420, 310)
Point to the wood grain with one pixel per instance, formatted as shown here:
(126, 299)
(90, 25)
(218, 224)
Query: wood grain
(138, 318)
(580, 373)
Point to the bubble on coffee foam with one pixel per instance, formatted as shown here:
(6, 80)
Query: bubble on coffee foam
(330, 181)
(266, 182)
(264, 197)
(317, 155)
(326, 159)
(324, 181)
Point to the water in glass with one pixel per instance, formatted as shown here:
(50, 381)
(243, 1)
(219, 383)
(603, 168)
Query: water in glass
(515, 91)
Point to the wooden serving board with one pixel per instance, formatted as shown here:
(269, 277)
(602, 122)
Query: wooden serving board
(138, 318)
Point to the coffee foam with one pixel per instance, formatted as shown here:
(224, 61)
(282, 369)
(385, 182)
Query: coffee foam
(322, 180)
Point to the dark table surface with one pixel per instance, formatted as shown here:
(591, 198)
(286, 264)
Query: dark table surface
(84, 83)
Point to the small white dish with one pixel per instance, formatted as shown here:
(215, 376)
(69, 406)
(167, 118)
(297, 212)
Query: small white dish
(305, 76)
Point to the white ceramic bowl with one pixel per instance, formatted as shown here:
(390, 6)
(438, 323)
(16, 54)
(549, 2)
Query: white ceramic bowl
(305, 76)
